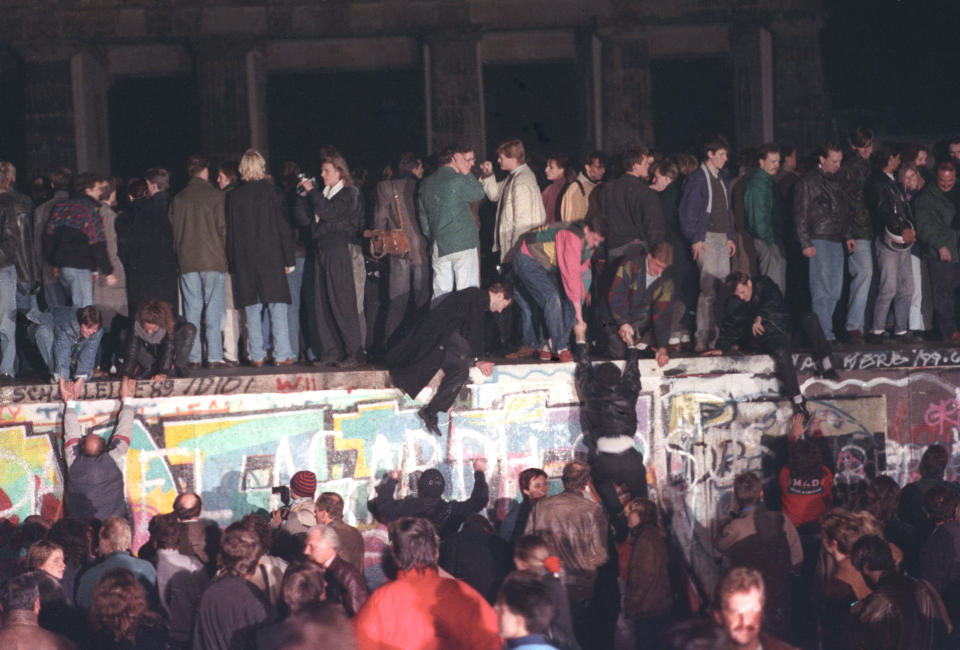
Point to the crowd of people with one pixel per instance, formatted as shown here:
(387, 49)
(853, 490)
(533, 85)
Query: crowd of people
(798, 563)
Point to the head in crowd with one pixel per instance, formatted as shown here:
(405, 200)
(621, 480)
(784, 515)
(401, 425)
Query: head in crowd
(596, 228)
(788, 158)
(414, 544)
(829, 157)
(41, 190)
(62, 179)
(303, 585)
(575, 476)
(747, 159)
(47, 556)
(768, 158)
(861, 141)
(687, 164)
(260, 527)
(501, 296)
(738, 604)
(198, 166)
(885, 157)
(228, 174)
(530, 552)
(431, 484)
(75, 537)
(303, 484)
(558, 167)
(740, 285)
(333, 168)
(88, 184)
(933, 463)
(92, 445)
(329, 507)
(840, 529)
(119, 606)
(910, 178)
(158, 180)
(946, 176)
(511, 155)
(715, 152)
(322, 543)
(878, 624)
(253, 166)
(663, 172)
(523, 606)
(187, 506)
(636, 161)
(805, 460)
(154, 315)
(533, 484)
(115, 535)
(696, 634)
(882, 498)
(240, 550)
(872, 557)
(659, 259)
(916, 155)
(642, 513)
(941, 504)
(316, 626)
(6, 181)
(165, 530)
(20, 593)
(410, 164)
(747, 489)
(460, 158)
(89, 319)
(595, 166)
(137, 189)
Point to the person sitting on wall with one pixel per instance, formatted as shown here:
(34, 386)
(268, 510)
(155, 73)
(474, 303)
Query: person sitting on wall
(450, 337)
(754, 317)
(610, 421)
(94, 465)
(447, 516)
(68, 340)
(156, 345)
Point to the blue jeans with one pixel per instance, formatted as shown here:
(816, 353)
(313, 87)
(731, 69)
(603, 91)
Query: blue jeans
(205, 289)
(79, 285)
(545, 290)
(295, 282)
(8, 319)
(278, 319)
(826, 282)
(861, 274)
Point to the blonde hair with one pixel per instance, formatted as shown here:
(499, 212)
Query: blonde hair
(117, 531)
(253, 167)
(513, 149)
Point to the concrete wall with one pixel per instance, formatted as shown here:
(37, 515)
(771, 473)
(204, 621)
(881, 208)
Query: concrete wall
(231, 439)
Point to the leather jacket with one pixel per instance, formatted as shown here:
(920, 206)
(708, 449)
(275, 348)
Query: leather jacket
(345, 585)
(609, 411)
(9, 230)
(736, 326)
(888, 204)
(162, 352)
(820, 209)
(25, 255)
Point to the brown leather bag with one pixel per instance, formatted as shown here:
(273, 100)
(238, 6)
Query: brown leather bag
(390, 242)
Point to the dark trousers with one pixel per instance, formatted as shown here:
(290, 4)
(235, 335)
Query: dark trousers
(779, 345)
(406, 280)
(335, 301)
(625, 467)
(945, 278)
(457, 360)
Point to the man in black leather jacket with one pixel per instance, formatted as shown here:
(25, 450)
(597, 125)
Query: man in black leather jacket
(893, 220)
(754, 318)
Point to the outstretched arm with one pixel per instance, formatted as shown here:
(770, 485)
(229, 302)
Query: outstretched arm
(480, 494)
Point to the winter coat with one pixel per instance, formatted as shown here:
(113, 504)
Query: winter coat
(853, 177)
(633, 212)
(199, 227)
(345, 585)
(479, 558)
(16, 212)
(443, 207)
(95, 483)
(447, 516)
(736, 326)
(148, 255)
(609, 411)
(696, 200)
(74, 236)
(334, 222)
(385, 216)
(111, 300)
(259, 244)
(158, 345)
(820, 209)
(888, 204)
(648, 591)
(764, 208)
(935, 212)
(519, 207)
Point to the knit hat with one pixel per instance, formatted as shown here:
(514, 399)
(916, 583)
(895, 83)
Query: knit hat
(431, 484)
(303, 483)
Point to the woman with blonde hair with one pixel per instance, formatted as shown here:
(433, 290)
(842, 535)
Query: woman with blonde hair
(260, 255)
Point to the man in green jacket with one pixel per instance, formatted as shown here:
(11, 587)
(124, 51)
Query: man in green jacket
(447, 221)
(764, 212)
(934, 211)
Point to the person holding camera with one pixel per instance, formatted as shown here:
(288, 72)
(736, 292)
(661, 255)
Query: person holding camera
(298, 514)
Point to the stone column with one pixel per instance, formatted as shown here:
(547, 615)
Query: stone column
(590, 63)
(91, 82)
(627, 102)
(751, 53)
(49, 132)
(800, 101)
(456, 102)
(224, 86)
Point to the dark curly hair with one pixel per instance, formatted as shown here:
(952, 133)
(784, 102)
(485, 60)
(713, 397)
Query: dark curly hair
(119, 606)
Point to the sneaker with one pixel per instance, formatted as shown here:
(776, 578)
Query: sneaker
(855, 337)
(565, 356)
(546, 354)
(430, 421)
(904, 337)
(217, 365)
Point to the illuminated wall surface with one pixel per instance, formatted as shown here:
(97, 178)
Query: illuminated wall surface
(231, 439)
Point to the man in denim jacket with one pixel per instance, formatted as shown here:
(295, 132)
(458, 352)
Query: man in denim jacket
(68, 340)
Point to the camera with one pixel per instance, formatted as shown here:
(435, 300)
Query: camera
(284, 492)
(301, 177)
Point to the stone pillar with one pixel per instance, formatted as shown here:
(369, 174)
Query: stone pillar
(752, 56)
(91, 81)
(456, 101)
(800, 101)
(590, 63)
(257, 100)
(49, 132)
(627, 102)
(223, 85)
